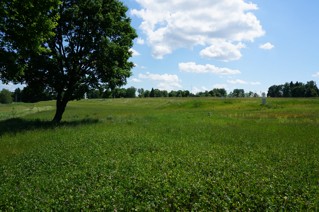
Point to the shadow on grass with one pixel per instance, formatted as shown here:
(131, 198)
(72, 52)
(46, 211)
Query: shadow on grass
(16, 125)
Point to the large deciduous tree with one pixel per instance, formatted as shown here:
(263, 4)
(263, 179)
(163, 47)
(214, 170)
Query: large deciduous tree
(69, 46)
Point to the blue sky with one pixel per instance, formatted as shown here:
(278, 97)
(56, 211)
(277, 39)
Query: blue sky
(201, 45)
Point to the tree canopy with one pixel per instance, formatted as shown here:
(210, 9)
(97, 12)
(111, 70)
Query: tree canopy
(5, 97)
(292, 89)
(67, 46)
(25, 26)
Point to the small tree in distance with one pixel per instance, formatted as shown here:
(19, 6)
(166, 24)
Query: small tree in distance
(5, 97)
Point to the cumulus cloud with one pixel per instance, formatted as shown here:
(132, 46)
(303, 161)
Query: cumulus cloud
(10, 86)
(164, 81)
(136, 80)
(192, 67)
(169, 25)
(140, 41)
(223, 50)
(267, 46)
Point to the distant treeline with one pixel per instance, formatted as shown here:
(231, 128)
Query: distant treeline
(30, 95)
(291, 89)
(153, 93)
(25, 95)
(297, 89)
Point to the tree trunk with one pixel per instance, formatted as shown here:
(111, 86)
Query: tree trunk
(60, 108)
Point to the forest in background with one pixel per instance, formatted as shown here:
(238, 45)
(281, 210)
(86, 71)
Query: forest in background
(297, 89)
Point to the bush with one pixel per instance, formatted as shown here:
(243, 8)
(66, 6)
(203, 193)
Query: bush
(5, 97)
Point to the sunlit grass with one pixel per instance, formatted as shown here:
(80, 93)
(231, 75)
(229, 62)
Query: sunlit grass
(22, 109)
(163, 154)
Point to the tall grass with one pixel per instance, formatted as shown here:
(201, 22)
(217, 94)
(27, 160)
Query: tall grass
(163, 154)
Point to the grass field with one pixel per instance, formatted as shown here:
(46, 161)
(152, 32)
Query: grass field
(182, 154)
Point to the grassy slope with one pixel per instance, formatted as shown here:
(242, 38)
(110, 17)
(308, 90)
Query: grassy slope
(171, 154)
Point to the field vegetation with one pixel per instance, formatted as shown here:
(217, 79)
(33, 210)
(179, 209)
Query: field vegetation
(201, 154)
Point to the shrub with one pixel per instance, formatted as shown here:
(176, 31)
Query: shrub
(5, 97)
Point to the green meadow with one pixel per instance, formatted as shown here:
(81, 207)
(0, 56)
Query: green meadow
(165, 154)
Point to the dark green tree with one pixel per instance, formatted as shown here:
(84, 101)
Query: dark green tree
(298, 89)
(35, 94)
(140, 92)
(172, 94)
(119, 93)
(275, 91)
(238, 93)
(218, 92)
(85, 45)
(164, 93)
(130, 92)
(94, 94)
(5, 96)
(249, 94)
(212, 93)
(204, 94)
(186, 93)
(311, 89)
(147, 93)
(152, 93)
(292, 89)
(17, 95)
(286, 90)
(157, 93)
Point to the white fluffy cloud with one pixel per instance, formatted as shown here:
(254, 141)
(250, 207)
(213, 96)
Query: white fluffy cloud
(10, 86)
(140, 41)
(136, 80)
(222, 50)
(169, 25)
(192, 67)
(165, 81)
(267, 46)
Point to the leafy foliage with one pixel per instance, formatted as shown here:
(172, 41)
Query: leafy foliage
(24, 28)
(238, 93)
(291, 89)
(5, 96)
